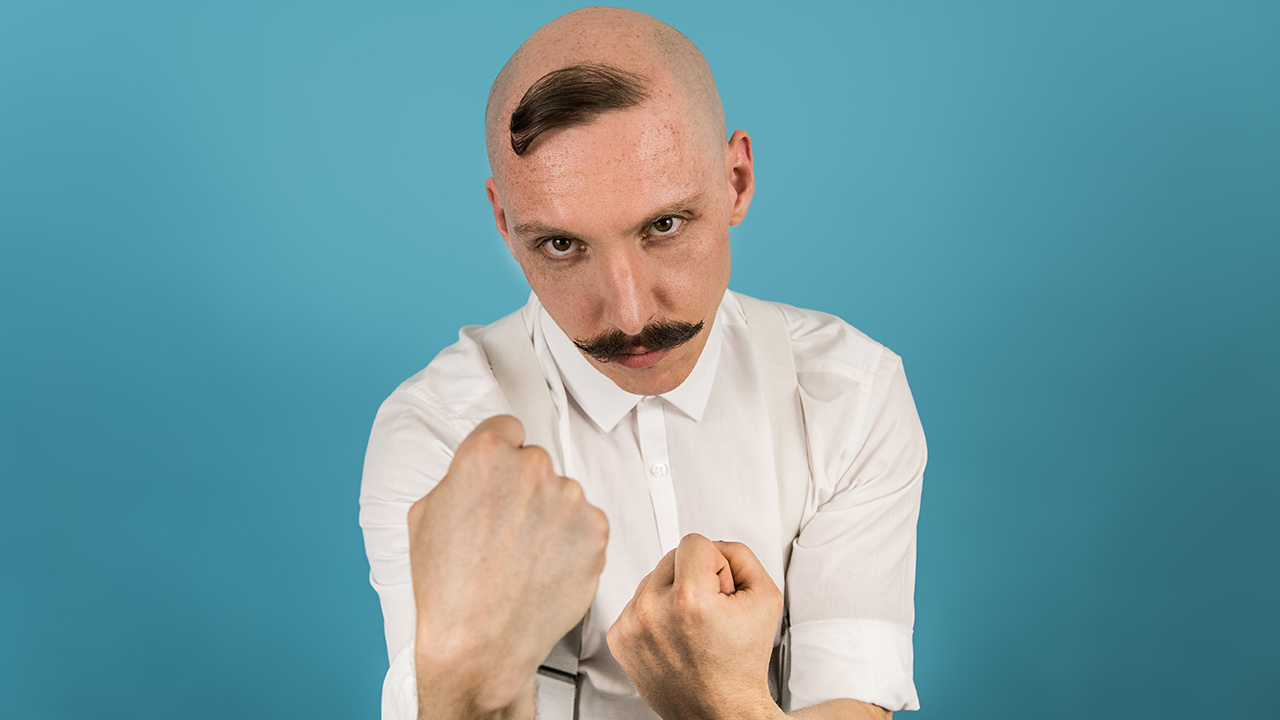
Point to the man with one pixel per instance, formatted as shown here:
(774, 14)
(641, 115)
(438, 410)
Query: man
(614, 188)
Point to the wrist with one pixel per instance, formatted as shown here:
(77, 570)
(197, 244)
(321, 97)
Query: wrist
(761, 709)
(744, 704)
(724, 704)
(470, 683)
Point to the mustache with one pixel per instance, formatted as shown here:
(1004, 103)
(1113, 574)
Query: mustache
(609, 346)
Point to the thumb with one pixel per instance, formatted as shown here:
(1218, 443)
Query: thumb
(745, 568)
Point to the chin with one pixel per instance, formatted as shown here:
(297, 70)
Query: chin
(647, 386)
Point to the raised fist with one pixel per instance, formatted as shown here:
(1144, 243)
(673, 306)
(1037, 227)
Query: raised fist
(506, 556)
(697, 636)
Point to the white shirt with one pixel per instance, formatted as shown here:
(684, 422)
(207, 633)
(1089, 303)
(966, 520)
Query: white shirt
(695, 459)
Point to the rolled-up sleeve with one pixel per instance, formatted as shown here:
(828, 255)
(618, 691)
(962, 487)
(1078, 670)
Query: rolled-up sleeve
(851, 577)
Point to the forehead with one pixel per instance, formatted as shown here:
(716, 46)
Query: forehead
(621, 165)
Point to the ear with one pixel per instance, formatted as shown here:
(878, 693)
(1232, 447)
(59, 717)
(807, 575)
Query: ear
(740, 173)
(499, 214)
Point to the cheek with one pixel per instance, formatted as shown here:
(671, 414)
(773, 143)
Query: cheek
(694, 282)
(567, 297)
(714, 266)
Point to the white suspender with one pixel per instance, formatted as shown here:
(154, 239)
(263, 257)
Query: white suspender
(772, 344)
(510, 351)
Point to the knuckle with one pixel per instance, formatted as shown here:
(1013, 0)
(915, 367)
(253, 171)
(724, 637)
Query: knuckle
(510, 422)
(421, 507)
(686, 601)
(571, 491)
(643, 613)
(501, 422)
(617, 636)
(415, 512)
(776, 602)
(483, 442)
(693, 539)
(600, 525)
(536, 461)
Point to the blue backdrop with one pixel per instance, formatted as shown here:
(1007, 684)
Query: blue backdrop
(229, 230)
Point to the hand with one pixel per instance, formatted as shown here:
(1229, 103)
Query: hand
(697, 636)
(506, 557)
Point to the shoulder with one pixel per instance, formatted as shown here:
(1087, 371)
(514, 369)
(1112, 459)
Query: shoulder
(825, 346)
(845, 376)
(822, 342)
(853, 391)
(457, 386)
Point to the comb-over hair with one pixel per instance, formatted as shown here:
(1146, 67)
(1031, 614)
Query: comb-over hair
(570, 96)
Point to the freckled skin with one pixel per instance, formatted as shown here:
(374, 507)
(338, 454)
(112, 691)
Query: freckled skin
(598, 184)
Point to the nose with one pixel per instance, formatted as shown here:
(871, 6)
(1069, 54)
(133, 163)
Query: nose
(628, 291)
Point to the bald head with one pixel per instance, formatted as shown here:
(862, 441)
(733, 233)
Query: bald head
(594, 60)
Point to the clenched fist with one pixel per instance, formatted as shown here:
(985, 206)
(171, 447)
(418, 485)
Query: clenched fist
(506, 556)
(697, 636)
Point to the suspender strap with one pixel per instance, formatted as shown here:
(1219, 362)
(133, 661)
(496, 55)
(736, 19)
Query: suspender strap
(510, 351)
(772, 343)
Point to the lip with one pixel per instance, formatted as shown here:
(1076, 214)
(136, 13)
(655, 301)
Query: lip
(642, 360)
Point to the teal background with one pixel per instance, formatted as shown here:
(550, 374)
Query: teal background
(229, 230)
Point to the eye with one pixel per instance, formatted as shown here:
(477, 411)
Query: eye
(667, 225)
(559, 247)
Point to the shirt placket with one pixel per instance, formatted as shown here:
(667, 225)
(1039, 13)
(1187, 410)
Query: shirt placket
(652, 424)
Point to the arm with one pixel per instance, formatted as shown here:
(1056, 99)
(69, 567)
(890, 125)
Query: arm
(850, 579)
(506, 556)
(843, 709)
(438, 528)
(697, 636)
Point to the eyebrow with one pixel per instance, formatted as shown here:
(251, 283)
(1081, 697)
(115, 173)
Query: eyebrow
(536, 231)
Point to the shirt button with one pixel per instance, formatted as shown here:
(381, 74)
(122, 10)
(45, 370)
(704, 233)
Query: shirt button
(658, 470)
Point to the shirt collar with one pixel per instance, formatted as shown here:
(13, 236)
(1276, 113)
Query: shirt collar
(606, 403)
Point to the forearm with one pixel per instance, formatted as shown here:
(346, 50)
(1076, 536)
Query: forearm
(830, 710)
(842, 710)
(454, 690)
